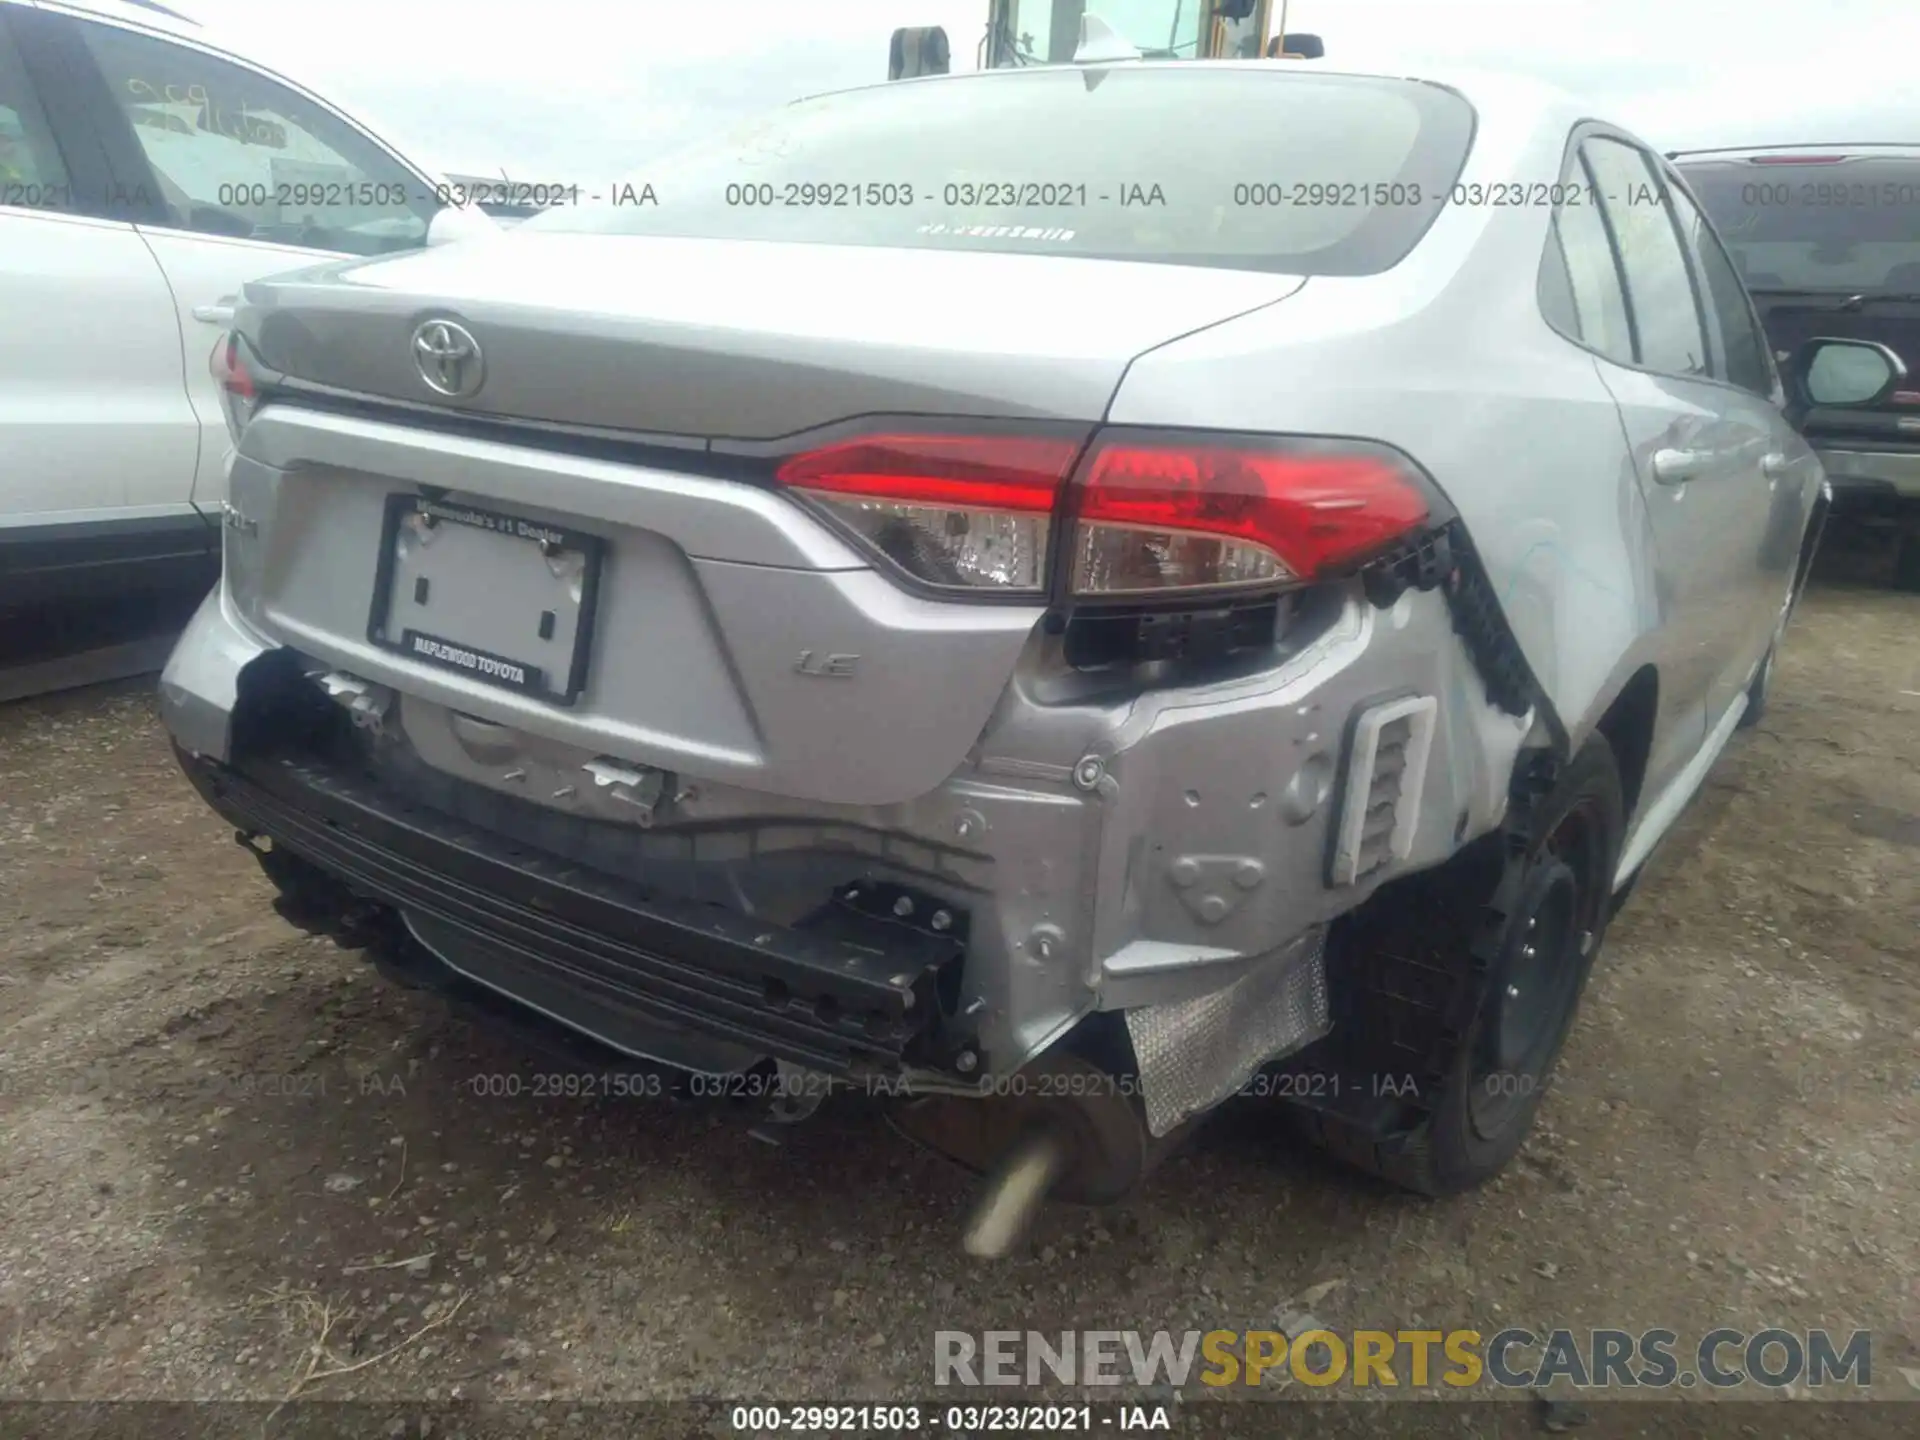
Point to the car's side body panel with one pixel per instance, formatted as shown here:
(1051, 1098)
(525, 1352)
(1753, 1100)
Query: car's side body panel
(1602, 575)
(116, 449)
(1446, 358)
(90, 368)
(89, 377)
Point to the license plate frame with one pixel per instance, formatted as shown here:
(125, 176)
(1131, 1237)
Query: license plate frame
(480, 663)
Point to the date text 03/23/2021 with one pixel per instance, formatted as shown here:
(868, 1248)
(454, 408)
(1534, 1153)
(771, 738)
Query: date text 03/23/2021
(798, 1085)
(947, 1419)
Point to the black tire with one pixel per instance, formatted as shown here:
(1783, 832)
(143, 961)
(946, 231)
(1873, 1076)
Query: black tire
(1488, 1082)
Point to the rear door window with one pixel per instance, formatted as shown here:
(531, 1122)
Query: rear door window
(1744, 360)
(1331, 175)
(1668, 325)
(1581, 293)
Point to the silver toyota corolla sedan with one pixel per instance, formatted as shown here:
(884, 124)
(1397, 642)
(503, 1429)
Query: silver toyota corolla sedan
(1062, 596)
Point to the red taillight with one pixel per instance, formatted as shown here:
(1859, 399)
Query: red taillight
(230, 370)
(1256, 514)
(988, 472)
(961, 512)
(1152, 512)
(237, 390)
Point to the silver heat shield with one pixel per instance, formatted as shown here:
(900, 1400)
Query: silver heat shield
(1195, 1053)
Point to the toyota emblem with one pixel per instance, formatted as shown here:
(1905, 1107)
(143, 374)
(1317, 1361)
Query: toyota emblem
(448, 358)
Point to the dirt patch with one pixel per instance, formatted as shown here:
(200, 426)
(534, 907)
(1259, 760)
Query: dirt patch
(222, 1139)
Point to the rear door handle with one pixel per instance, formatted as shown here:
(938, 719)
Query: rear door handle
(219, 313)
(1676, 467)
(1775, 466)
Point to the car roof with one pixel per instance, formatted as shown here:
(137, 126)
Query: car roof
(1851, 149)
(165, 15)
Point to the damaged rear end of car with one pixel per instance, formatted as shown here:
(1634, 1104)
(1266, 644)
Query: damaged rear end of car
(773, 658)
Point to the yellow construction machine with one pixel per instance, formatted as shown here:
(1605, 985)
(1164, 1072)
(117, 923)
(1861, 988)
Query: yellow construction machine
(1054, 32)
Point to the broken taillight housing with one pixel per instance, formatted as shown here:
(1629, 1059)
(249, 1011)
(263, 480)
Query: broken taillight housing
(959, 512)
(238, 394)
(1150, 513)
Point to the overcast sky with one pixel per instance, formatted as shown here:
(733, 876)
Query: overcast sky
(585, 90)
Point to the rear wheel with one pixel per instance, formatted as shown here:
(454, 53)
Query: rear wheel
(1521, 959)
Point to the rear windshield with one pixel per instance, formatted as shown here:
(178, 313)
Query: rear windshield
(1182, 164)
(1851, 225)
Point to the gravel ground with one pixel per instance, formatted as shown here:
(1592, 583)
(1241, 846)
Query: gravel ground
(222, 1139)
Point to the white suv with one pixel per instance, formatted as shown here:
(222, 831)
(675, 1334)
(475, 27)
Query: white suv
(145, 175)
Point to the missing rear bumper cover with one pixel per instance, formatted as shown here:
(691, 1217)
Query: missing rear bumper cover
(847, 998)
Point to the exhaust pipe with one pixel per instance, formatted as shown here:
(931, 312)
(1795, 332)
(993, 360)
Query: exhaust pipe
(1082, 1141)
(1016, 1191)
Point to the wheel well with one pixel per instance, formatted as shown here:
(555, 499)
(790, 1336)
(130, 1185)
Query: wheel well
(1628, 726)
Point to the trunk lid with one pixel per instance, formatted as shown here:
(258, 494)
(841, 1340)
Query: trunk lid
(722, 339)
